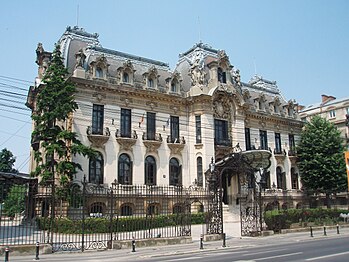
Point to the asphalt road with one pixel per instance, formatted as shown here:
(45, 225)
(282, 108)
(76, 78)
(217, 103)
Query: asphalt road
(321, 250)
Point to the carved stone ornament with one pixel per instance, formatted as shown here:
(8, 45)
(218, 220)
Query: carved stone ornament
(223, 59)
(152, 146)
(98, 140)
(126, 143)
(280, 158)
(262, 124)
(175, 148)
(99, 96)
(197, 73)
(152, 105)
(221, 108)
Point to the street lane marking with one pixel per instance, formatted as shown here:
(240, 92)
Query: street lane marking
(285, 255)
(263, 252)
(181, 259)
(327, 256)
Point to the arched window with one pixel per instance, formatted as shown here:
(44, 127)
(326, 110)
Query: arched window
(96, 167)
(125, 77)
(294, 178)
(150, 82)
(222, 78)
(177, 209)
(153, 209)
(99, 72)
(174, 85)
(125, 170)
(199, 175)
(280, 178)
(150, 170)
(96, 209)
(126, 210)
(175, 173)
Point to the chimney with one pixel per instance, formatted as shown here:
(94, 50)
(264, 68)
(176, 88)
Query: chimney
(326, 98)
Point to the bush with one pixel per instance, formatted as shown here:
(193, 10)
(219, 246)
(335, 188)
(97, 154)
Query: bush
(124, 224)
(14, 203)
(282, 219)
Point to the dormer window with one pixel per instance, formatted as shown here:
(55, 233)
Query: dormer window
(222, 76)
(125, 78)
(150, 83)
(174, 88)
(99, 67)
(276, 109)
(99, 72)
(290, 111)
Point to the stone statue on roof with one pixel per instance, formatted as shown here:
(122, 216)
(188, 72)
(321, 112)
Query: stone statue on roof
(80, 58)
(197, 73)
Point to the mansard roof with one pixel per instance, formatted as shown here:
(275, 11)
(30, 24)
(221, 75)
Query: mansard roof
(258, 84)
(200, 55)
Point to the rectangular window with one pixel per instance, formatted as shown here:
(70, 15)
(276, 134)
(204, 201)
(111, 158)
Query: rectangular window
(248, 138)
(347, 110)
(221, 132)
(263, 139)
(97, 119)
(198, 129)
(277, 143)
(199, 171)
(291, 143)
(151, 126)
(174, 129)
(125, 123)
(332, 113)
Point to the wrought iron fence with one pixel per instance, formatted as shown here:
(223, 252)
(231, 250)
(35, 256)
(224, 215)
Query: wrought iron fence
(86, 216)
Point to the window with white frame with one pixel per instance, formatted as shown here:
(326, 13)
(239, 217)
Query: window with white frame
(332, 113)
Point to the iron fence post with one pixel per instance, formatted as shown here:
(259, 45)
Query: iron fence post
(7, 254)
(133, 245)
(201, 241)
(37, 247)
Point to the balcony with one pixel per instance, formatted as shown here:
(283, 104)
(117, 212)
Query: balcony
(127, 140)
(152, 141)
(223, 146)
(175, 144)
(280, 155)
(98, 139)
(292, 152)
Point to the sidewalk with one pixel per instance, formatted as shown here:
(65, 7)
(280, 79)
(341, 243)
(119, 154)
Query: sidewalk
(233, 241)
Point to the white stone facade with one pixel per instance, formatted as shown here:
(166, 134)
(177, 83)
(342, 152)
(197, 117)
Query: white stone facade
(214, 109)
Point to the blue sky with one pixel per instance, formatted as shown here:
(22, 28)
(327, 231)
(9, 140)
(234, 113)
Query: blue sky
(301, 44)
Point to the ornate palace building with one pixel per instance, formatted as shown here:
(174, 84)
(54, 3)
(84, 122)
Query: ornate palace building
(155, 126)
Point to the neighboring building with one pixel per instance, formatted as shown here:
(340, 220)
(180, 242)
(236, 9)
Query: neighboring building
(334, 110)
(155, 126)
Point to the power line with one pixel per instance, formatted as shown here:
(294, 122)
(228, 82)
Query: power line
(16, 79)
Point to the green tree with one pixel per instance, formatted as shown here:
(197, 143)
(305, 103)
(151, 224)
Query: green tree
(7, 161)
(52, 115)
(321, 158)
(14, 203)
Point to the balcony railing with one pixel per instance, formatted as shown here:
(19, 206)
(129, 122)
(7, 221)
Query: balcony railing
(292, 152)
(175, 140)
(98, 139)
(279, 151)
(223, 142)
(152, 142)
(126, 141)
(152, 137)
